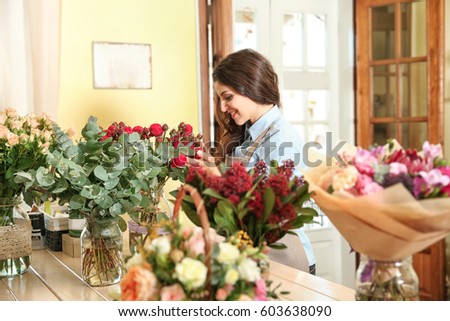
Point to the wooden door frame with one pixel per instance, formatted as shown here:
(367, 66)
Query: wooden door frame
(215, 20)
(430, 263)
(435, 71)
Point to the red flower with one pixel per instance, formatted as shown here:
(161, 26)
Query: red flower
(180, 161)
(156, 130)
(187, 130)
(138, 129)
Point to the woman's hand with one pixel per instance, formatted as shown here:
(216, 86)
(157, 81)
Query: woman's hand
(206, 160)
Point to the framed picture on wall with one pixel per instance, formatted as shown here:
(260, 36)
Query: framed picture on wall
(122, 65)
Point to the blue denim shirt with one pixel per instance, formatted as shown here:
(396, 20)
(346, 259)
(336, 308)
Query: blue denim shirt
(281, 142)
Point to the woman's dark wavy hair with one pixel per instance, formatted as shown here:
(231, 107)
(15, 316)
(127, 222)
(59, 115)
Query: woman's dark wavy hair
(249, 74)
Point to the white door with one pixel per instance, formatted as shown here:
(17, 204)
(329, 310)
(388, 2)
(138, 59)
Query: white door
(301, 39)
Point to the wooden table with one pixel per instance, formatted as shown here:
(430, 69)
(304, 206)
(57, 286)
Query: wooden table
(56, 276)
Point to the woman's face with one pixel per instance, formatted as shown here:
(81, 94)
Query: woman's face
(240, 108)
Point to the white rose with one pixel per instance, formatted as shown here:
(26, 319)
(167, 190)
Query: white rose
(231, 276)
(249, 270)
(345, 179)
(228, 253)
(191, 273)
(160, 245)
(136, 259)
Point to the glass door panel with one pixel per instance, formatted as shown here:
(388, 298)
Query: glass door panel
(414, 134)
(382, 132)
(414, 89)
(383, 32)
(414, 28)
(384, 91)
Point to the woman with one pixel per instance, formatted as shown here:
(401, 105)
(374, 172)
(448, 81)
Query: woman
(247, 109)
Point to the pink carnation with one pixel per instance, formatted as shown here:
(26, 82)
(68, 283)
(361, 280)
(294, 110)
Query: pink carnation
(260, 290)
(397, 169)
(371, 188)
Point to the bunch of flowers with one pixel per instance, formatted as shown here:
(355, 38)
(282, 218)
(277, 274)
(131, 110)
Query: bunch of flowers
(167, 155)
(388, 203)
(264, 202)
(24, 143)
(425, 174)
(172, 267)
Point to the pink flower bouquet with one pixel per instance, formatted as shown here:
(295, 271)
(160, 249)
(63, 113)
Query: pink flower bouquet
(388, 203)
(173, 267)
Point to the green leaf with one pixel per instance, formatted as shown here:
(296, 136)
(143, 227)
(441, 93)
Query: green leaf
(122, 224)
(191, 213)
(44, 178)
(111, 183)
(100, 173)
(269, 202)
(213, 193)
(105, 202)
(225, 208)
(76, 202)
(116, 209)
(23, 177)
(24, 163)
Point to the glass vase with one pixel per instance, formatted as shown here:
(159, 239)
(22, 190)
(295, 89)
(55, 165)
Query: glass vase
(138, 226)
(101, 253)
(76, 223)
(393, 280)
(15, 237)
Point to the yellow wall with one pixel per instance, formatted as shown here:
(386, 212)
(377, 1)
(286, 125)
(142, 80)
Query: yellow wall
(169, 26)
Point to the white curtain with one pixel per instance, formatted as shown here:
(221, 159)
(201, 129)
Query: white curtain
(29, 55)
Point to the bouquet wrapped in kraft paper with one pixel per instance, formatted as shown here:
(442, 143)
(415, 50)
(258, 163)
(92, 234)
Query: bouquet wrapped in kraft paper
(387, 202)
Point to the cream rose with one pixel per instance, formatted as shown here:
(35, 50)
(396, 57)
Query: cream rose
(228, 253)
(191, 273)
(160, 245)
(345, 179)
(231, 276)
(249, 271)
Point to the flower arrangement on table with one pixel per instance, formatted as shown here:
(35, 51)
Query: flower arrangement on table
(101, 179)
(24, 143)
(387, 202)
(265, 202)
(173, 267)
(167, 153)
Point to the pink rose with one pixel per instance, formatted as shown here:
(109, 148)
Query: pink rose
(180, 161)
(173, 292)
(371, 188)
(260, 290)
(362, 181)
(196, 243)
(221, 294)
(445, 170)
(364, 162)
(397, 169)
(156, 130)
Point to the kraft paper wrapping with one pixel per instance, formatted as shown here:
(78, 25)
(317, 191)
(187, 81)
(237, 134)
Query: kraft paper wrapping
(387, 225)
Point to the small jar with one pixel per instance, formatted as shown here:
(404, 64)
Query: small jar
(390, 280)
(15, 237)
(101, 253)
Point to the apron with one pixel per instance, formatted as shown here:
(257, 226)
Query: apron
(229, 160)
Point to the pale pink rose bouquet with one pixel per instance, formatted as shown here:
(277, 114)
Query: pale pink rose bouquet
(387, 202)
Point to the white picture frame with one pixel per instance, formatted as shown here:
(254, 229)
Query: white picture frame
(121, 65)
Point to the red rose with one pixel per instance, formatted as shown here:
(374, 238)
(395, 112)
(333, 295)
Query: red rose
(187, 130)
(180, 161)
(128, 130)
(138, 129)
(155, 130)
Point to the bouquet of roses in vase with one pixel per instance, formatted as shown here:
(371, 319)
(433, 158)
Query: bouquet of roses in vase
(388, 203)
(167, 152)
(264, 203)
(24, 143)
